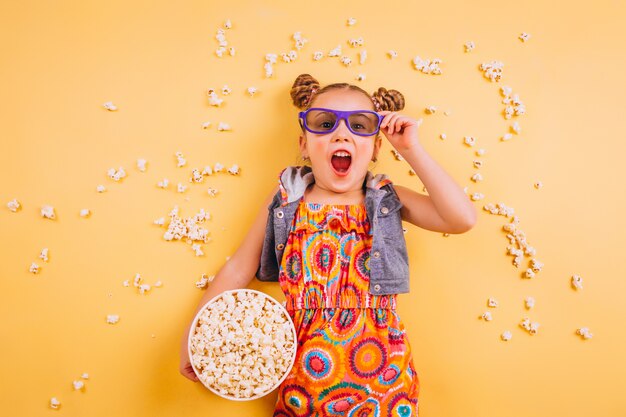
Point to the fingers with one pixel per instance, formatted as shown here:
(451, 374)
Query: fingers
(394, 121)
(188, 372)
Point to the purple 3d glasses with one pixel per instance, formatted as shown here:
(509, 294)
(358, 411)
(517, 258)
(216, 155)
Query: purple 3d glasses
(322, 121)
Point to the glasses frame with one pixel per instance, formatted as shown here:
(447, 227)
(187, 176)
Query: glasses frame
(341, 115)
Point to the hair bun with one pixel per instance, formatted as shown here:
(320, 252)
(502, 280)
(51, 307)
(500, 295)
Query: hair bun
(391, 100)
(302, 90)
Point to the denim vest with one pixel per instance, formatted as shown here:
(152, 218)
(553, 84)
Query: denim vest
(389, 265)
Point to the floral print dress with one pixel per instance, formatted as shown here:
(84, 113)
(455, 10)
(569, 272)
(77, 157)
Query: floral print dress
(353, 356)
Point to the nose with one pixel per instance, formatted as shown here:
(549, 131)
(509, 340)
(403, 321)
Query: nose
(341, 131)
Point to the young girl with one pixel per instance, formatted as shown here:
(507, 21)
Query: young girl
(331, 235)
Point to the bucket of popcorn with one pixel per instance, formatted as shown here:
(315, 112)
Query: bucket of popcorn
(242, 344)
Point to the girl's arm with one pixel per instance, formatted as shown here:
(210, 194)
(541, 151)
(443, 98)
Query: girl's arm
(236, 273)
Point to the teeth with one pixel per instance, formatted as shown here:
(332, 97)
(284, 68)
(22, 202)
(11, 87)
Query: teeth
(341, 153)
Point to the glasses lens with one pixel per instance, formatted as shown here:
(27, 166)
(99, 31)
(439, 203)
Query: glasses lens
(320, 120)
(364, 123)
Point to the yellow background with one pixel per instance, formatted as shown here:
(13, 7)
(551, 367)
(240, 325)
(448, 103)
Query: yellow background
(155, 60)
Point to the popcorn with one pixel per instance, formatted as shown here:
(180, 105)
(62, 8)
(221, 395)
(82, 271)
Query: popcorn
(55, 403)
(486, 316)
(506, 336)
(252, 91)
(346, 61)
(492, 302)
(44, 254)
(584, 333)
(477, 163)
(207, 170)
(34, 268)
(426, 66)
(204, 281)
(198, 249)
(351, 21)
(356, 42)
(14, 205)
(85, 376)
(269, 70)
(514, 106)
(220, 51)
(212, 192)
(477, 177)
(469, 140)
(234, 170)
(469, 46)
(524, 36)
(187, 228)
(182, 187)
(116, 175)
(226, 90)
(222, 127)
(538, 185)
(397, 155)
(214, 100)
(218, 167)
(577, 282)
(231, 51)
(113, 318)
(164, 183)
(516, 127)
(392, 54)
(447, 112)
(362, 57)
(531, 328)
(317, 55)
(228, 24)
(492, 70)
(507, 136)
(141, 164)
(529, 302)
(181, 159)
(335, 52)
(110, 106)
(101, 188)
(443, 136)
(360, 77)
(412, 172)
(299, 40)
(47, 212)
(242, 344)
(196, 176)
(78, 385)
(85, 213)
(477, 196)
(480, 152)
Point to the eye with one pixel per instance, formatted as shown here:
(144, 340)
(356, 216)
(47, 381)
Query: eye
(326, 125)
(357, 126)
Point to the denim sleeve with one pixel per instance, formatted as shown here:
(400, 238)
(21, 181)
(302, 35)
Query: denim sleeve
(268, 265)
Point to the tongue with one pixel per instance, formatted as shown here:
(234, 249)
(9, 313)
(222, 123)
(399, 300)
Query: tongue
(341, 163)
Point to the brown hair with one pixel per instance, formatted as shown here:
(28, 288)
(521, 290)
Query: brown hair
(305, 88)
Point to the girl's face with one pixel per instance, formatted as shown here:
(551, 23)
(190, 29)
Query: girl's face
(340, 159)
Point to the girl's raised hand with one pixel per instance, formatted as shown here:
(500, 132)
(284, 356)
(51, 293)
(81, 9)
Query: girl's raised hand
(400, 130)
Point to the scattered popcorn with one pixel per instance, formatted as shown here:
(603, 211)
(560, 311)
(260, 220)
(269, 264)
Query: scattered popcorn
(492, 70)
(584, 332)
(480, 152)
(44, 254)
(14, 205)
(477, 163)
(110, 106)
(430, 109)
(242, 344)
(392, 54)
(141, 164)
(362, 57)
(47, 212)
(78, 385)
(164, 183)
(469, 140)
(204, 281)
(443, 136)
(196, 247)
(356, 42)
(181, 159)
(477, 177)
(214, 100)
(317, 55)
(85, 213)
(271, 58)
(506, 336)
(397, 155)
(158, 284)
(182, 187)
(101, 188)
(492, 302)
(207, 170)
(252, 91)
(218, 167)
(351, 21)
(55, 403)
(577, 282)
(516, 127)
(126, 283)
(524, 37)
(113, 318)
(507, 136)
(426, 66)
(360, 77)
(228, 24)
(447, 112)
(226, 90)
(222, 127)
(445, 234)
(469, 46)
(335, 52)
(116, 175)
(187, 228)
(538, 184)
(299, 40)
(486, 316)
(220, 51)
(34, 268)
(234, 170)
(514, 106)
(85, 376)
(477, 196)
(346, 61)
(196, 176)
(529, 302)
(530, 327)
(212, 192)
(206, 125)
(412, 172)
(144, 288)
(286, 57)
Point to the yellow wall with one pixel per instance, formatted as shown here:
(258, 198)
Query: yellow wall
(59, 61)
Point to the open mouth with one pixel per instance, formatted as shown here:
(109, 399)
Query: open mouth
(341, 161)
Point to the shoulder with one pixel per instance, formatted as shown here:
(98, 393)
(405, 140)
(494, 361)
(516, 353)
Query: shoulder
(293, 181)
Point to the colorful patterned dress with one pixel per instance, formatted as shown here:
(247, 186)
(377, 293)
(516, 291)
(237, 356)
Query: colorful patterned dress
(353, 356)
